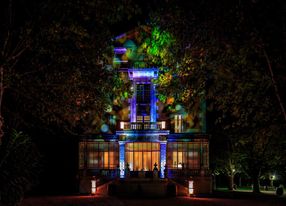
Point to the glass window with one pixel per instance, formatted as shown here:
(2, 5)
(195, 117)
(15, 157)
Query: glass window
(143, 155)
(178, 123)
(139, 118)
(190, 155)
(102, 155)
(143, 93)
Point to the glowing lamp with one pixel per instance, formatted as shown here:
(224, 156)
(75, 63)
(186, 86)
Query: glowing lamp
(191, 187)
(120, 50)
(163, 125)
(121, 125)
(93, 187)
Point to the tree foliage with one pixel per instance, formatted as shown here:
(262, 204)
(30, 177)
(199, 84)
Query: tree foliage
(222, 59)
(65, 78)
(19, 167)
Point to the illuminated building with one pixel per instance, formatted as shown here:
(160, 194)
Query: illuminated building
(147, 133)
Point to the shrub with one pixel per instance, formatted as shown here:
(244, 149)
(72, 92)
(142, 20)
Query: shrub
(279, 191)
(19, 167)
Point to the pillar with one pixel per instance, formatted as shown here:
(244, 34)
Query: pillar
(163, 157)
(153, 109)
(121, 158)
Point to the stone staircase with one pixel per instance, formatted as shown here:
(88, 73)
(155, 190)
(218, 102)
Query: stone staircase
(138, 187)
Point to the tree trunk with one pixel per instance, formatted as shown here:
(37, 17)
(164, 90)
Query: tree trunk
(214, 181)
(255, 180)
(230, 182)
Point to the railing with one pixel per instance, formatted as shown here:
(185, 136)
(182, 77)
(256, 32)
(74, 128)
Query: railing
(142, 125)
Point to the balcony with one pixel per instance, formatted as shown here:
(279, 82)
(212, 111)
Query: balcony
(143, 125)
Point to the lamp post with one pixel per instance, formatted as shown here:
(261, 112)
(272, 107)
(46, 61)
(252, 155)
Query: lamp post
(93, 186)
(191, 187)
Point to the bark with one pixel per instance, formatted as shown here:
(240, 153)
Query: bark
(230, 182)
(255, 181)
(214, 182)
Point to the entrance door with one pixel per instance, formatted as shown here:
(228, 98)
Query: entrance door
(142, 155)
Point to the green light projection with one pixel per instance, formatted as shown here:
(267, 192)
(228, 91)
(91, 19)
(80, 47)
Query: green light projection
(143, 47)
(146, 47)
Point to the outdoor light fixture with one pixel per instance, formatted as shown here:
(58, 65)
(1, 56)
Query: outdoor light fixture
(93, 187)
(163, 125)
(121, 125)
(120, 50)
(191, 187)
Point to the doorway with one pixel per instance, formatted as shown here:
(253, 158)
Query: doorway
(141, 156)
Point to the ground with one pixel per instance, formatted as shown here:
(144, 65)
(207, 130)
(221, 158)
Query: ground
(219, 199)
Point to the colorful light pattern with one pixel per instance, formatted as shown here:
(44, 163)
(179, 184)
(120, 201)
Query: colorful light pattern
(104, 128)
(141, 48)
(121, 158)
(143, 73)
(163, 152)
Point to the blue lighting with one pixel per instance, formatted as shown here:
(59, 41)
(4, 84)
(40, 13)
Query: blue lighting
(121, 158)
(133, 106)
(143, 73)
(104, 128)
(163, 157)
(153, 110)
(120, 50)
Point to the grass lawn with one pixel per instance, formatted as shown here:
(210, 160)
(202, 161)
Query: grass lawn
(246, 192)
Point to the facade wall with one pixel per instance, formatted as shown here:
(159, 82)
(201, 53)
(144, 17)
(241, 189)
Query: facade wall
(100, 155)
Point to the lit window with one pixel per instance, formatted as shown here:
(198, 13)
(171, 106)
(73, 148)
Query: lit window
(139, 118)
(191, 155)
(142, 156)
(102, 155)
(163, 125)
(178, 123)
(121, 125)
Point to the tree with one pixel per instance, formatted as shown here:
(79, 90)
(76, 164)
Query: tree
(225, 62)
(15, 41)
(66, 79)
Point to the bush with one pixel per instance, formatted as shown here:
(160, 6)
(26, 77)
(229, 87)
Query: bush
(279, 191)
(19, 167)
